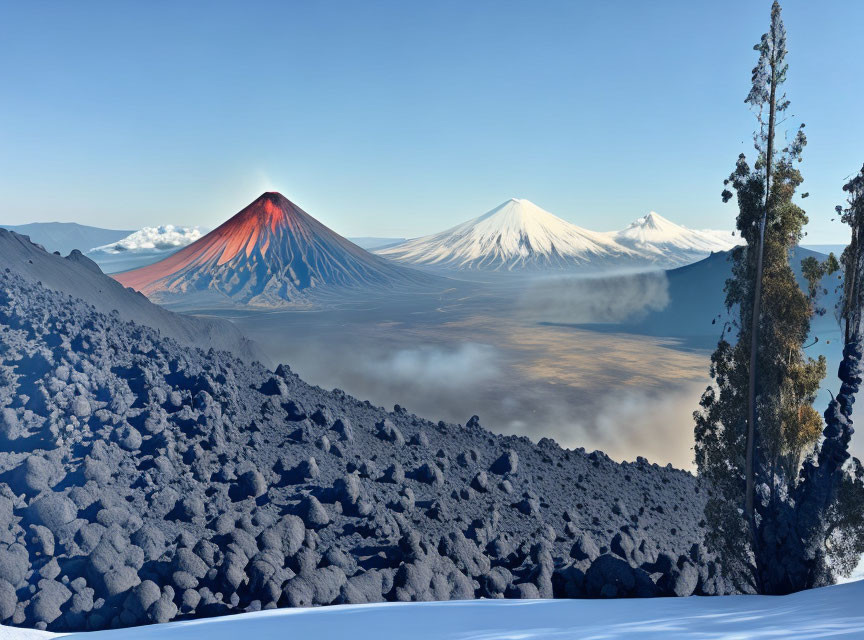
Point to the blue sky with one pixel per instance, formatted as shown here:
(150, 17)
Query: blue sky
(403, 118)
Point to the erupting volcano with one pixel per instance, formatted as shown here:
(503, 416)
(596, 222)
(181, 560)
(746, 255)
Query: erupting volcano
(270, 253)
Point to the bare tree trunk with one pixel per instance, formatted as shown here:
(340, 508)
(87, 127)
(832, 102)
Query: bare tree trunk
(749, 464)
(852, 310)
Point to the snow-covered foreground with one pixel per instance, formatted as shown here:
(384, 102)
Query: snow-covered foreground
(821, 613)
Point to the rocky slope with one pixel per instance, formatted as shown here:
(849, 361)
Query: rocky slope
(80, 277)
(141, 481)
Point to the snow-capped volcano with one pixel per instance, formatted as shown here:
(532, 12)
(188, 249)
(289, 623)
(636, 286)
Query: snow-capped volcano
(668, 244)
(269, 253)
(514, 235)
(519, 235)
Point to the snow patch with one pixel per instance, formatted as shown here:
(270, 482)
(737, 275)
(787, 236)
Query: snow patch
(832, 611)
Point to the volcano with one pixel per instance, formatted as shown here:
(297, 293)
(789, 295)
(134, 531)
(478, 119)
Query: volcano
(671, 245)
(516, 235)
(270, 253)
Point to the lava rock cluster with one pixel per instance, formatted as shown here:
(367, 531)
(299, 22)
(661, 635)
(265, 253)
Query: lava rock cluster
(143, 481)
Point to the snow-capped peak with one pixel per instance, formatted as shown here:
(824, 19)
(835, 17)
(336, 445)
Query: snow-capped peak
(153, 239)
(515, 234)
(653, 220)
(671, 243)
(518, 234)
(654, 227)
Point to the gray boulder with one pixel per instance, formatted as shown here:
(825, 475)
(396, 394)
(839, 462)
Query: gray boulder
(610, 577)
(508, 462)
(389, 432)
(315, 515)
(52, 511)
(8, 600)
(585, 548)
(45, 605)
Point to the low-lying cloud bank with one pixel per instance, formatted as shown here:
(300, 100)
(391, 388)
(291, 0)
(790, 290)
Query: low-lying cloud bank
(454, 383)
(426, 373)
(606, 299)
(656, 424)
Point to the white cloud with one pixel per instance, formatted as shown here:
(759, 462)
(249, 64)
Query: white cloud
(161, 238)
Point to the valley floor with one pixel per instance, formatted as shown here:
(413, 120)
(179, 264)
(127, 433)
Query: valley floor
(491, 349)
(831, 612)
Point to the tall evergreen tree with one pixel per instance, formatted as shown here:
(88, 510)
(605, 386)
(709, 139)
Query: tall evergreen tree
(768, 75)
(778, 525)
(757, 420)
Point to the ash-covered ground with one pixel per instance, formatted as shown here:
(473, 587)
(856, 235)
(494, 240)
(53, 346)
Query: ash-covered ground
(78, 276)
(143, 480)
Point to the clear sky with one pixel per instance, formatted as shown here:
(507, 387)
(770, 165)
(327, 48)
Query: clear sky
(403, 118)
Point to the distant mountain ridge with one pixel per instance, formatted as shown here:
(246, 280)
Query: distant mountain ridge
(519, 235)
(697, 310)
(66, 236)
(269, 254)
(79, 277)
(836, 249)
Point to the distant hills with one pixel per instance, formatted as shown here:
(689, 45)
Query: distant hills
(515, 236)
(270, 253)
(696, 309)
(518, 235)
(836, 249)
(80, 277)
(66, 236)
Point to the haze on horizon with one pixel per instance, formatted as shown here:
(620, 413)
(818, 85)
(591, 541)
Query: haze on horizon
(403, 120)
